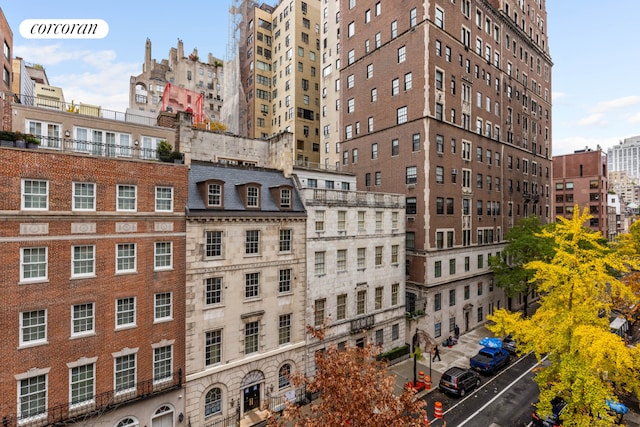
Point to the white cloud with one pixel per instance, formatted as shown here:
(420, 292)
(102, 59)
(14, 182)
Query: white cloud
(593, 119)
(556, 96)
(615, 104)
(87, 76)
(634, 118)
(570, 144)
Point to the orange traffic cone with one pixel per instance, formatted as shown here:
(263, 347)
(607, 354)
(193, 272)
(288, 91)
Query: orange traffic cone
(437, 412)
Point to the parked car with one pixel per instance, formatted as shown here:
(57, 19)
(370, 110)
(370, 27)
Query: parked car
(509, 344)
(553, 420)
(458, 381)
(489, 360)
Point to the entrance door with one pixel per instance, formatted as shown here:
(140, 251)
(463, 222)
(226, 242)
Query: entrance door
(251, 397)
(466, 321)
(163, 417)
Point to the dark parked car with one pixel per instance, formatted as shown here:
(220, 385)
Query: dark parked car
(458, 381)
(553, 420)
(489, 360)
(509, 344)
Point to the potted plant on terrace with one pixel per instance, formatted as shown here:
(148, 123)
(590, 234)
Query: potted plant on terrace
(32, 141)
(164, 151)
(7, 138)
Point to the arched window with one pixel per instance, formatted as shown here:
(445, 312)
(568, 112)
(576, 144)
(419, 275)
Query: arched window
(283, 376)
(128, 422)
(213, 402)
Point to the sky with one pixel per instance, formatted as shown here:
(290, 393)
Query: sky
(593, 45)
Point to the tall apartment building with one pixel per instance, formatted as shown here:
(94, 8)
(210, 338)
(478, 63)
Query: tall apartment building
(625, 157)
(279, 54)
(330, 86)
(93, 295)
(189, 72)
(449, 103)
(624, 185)
(246, 284)
(355, 263)
(581, 179)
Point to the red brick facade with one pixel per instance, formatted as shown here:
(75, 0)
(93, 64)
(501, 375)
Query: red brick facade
(59, 228)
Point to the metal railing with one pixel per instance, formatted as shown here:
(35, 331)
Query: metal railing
(68, 413)
(101, 149)
(83, 109)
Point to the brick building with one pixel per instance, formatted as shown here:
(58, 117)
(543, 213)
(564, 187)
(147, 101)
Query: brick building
(6, 65)
(92, 288)
(449, 103)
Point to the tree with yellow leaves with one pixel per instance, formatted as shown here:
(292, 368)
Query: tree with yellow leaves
(587, 363)
(355, 389)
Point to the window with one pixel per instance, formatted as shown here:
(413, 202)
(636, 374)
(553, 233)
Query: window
(33, 327)
(213, 245)
(125, 312)
(413, 17)
(341, 260)
(162, 307)
(32, 397)
(439, 79)
(319, 263)
(394, 29)
(395, 87)
(125, 257)
(284, 329)
(252, 242)
(285, 198)
(439, 18)
(416, 142)
(408, 83)
(361, 302)
(33, 264)
(163, 256)
(480, 261)
(82, 384)
(411, 175)
(164, 199)
(395, 147)
(284, 282)
(378, 256)
(35, 195)
(82, 319)
(126, 197)
(162, 363)
(252, 197)
(401, 114)
(437, 269)
(369, 71)
(361, 220)
(362, 258)
(252, 285)
(452, 266)
(378, 297)
(213, 402)
(284, 374)
(452, 297)
(479, 288)
(213, 290)
(341, 307)
(213, 347)
(83, 261)
(214, 195)
(437, 302)
(439, 175)
(124, 368)
(84, 196)
(319, 308)
(402, 54)
(411, 205)
(320, 220)
(285, 240)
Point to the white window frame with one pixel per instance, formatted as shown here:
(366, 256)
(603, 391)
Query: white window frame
(122, 198)
(36, 398)
(128, 371)
(82, 200)
(161, 362)
(43, 278)
(158, 256)
(162, 311)
(160, 200)
(34, 196)
(79, 321)
(31, 328)
(52, 138)
(125, 257)
(88, 262)
(125, 312)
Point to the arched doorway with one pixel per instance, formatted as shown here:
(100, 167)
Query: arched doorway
(163, 417)
(250, 387)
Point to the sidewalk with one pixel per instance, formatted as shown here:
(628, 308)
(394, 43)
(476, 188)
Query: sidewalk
(458, 355)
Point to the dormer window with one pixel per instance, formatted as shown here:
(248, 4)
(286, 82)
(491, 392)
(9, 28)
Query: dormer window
(285, 198)
(214, 195)
(253, 198)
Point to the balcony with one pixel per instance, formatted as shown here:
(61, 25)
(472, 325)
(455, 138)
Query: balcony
(362, 323)
(328, 197)
(68, 413)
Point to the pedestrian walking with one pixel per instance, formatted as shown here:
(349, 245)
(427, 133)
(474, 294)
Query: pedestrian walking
(436, 353)
(456, 332)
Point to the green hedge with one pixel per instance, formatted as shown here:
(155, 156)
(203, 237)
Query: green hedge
(394, 353)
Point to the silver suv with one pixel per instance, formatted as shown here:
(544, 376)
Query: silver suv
(458, 381)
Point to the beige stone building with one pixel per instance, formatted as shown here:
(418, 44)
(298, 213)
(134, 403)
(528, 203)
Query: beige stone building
(355, 263)
(245, 326)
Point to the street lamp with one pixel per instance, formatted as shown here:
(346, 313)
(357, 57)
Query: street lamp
(418, 336)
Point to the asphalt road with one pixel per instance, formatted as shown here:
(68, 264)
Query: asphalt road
(503, 400)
